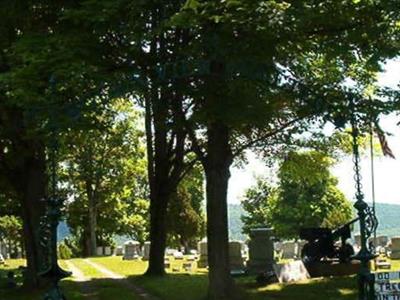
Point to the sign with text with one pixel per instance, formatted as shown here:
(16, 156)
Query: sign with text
(387, 276)
(387, 285)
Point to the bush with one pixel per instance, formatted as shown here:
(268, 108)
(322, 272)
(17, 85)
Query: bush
(64, 252)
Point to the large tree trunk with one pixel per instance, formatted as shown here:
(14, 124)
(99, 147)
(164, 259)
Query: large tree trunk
(92, 230)
(34, 183)
(158, 233)
(217, 165)
(92, 249)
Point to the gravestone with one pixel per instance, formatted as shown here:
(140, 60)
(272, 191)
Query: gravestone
(289, 250)
(291, 272)
(99, 251)
(235, 255)
(2, 260)
(119, 251)
(178, 255)
(299, 248)
(191, 258)
(278, 248)
(107, 251)
(203, 260)
(167, 263)
(187, 266)
(146, 250)
(395, 248)
(131, 250)
(261, 251)
(357, 240)
(3, 250)
(382, 241)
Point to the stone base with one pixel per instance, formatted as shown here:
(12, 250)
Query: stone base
(257, 267)
(332, 268)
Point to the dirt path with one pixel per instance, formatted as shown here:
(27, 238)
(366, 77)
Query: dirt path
(123, 280)
(76, 272)
(87, 288)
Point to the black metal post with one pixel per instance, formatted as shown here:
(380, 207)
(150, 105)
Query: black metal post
(48, 228)
(368, 222)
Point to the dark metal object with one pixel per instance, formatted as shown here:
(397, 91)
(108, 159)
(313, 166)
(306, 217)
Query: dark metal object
(48, 232)
(48, 229)
(367, 218)
(321, 243)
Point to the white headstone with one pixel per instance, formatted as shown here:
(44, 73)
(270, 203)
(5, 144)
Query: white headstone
(99, 251)
(131, 250)
(290, 272)
(178, 255)
(119, 251)
(107, 250)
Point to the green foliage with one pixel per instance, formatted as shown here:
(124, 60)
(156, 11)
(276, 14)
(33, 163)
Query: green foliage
(186, 221)
(308, 195)
(105, 169)
(256, 204)
(64, 252)
(11, 229)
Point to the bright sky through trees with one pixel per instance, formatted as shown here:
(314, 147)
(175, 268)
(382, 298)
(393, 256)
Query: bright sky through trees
(387, 170)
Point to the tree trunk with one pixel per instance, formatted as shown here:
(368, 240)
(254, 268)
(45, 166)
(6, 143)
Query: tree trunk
(92, 227)
(34, 191)
(159, 179)
(158, 233)
(217, 165)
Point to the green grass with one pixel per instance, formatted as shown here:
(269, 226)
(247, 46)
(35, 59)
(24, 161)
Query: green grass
(87, 269)
(180, 285)
(122, 267)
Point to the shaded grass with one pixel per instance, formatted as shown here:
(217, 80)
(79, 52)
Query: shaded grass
(314, 289)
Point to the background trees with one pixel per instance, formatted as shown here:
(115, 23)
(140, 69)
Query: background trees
(104, 176)
(186, 217)
(308, 195)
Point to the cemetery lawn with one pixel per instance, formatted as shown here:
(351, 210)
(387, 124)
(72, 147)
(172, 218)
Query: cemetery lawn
(177, 285)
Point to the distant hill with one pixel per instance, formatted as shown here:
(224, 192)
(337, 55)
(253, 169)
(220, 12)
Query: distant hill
(62, 231)
(388, 217)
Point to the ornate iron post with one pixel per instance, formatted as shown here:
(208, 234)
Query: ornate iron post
(368, 221)
(48, 229)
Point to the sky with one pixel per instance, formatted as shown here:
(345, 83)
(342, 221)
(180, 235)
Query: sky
(387, 170)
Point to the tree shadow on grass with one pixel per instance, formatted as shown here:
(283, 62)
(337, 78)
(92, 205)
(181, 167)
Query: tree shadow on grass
(335, 288)
(190, 286)
(94, 289)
